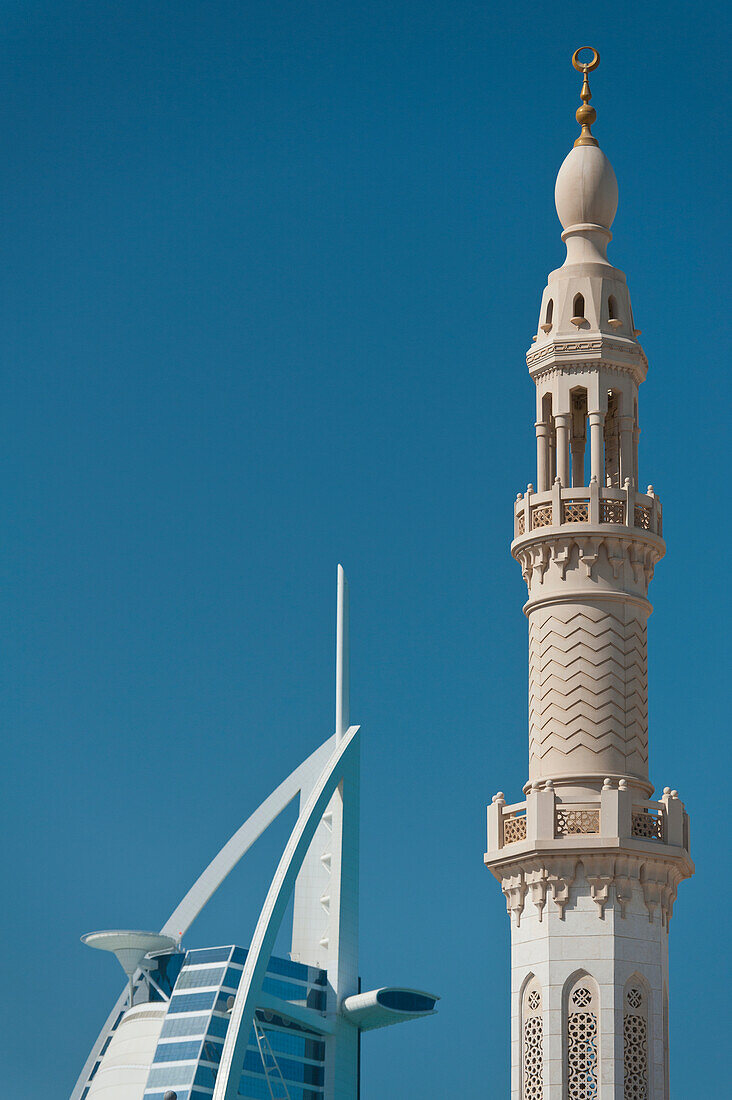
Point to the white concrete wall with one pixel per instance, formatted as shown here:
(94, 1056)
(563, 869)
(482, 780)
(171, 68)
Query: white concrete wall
(610, 949)
(123, 1072)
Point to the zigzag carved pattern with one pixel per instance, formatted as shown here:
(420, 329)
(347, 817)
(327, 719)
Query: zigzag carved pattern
(588, 682)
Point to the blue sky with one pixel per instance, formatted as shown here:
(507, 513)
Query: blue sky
(269, 272)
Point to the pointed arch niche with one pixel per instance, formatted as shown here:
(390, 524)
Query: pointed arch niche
(546, 446)
(578, 310)
(636, 1039)
(578, 438)
(532, 1040)
(581, 1014)
(612, 438)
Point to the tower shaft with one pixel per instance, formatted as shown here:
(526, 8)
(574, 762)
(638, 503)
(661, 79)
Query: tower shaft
(589, 863)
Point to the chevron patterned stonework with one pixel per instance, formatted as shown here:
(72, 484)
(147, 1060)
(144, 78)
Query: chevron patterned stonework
(588, 690)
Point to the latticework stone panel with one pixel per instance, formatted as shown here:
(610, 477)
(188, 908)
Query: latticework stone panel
(648, 826)
(635, 1060)
(582, 1056)
(533, 1054)
(541, 516)
(612, 511)
(577, 822)
(588, 687)
(642, 516)
(514, 829)
(576, 511)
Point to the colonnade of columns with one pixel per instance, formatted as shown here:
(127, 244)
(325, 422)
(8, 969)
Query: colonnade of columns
(560, 452)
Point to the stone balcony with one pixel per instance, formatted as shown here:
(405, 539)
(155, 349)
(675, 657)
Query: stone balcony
(616, 818)
(593, 505)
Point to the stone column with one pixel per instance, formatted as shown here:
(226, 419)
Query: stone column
(597, 470)
(636, 467)
(552, 455)
(626, 451)
(542, 457)
(578, 460)
(561, 422)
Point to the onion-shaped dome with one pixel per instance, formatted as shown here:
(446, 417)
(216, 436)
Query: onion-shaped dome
(586, 191)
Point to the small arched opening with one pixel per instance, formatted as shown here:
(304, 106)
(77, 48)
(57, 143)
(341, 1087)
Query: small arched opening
(612, 312)
(578, 435)
(612, 439)
(547, 447)
(578, 310)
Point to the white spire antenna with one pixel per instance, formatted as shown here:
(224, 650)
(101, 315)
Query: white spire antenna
(342, 658)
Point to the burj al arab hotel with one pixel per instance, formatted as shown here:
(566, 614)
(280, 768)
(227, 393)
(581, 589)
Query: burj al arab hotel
(227, 1022)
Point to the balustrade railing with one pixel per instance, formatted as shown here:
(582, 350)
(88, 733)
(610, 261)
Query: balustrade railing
(647, 821)
(514, 829)
(594, 505)
(576, 821)
(555, 820)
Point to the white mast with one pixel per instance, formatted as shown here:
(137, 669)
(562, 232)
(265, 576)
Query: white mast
(342, 701)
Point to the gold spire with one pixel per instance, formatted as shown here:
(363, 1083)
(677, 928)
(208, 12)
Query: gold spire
(586, 115)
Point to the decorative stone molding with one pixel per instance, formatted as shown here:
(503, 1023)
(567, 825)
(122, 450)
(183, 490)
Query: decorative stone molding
(660, 885)
(538, 877)
(537, 882)
(561, 874)
(625, 873)
(623, 349)
(562, 549)
(553, 348)
(547, 362)
(514, 890)
(600, 876)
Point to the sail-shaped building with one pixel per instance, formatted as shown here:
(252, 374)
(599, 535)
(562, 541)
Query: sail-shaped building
(589, 862)
(228, 1022)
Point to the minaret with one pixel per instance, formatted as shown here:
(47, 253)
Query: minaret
(589, 863)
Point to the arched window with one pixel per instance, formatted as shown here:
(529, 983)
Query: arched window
(550, 471)
(612, 308)
(548, 316)
(636, 436)
(578, 310)
(582, 1013)
(611, 432)
(635, 1040)
(532, 1042)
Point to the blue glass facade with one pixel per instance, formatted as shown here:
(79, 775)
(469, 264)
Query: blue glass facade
(189, 1049)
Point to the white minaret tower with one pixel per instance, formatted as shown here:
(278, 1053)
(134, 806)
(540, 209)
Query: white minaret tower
(589, 863)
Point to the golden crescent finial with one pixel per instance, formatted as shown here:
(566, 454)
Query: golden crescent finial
(589, 66)
(586, 115)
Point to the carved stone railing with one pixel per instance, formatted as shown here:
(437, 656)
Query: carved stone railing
(514, 829)
(647, 821)
(615, 812)
(623, 507)
(511, 822)
(576, 821)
